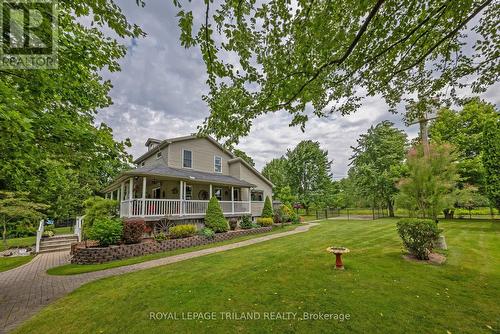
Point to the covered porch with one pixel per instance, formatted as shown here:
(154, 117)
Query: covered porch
(155, 197)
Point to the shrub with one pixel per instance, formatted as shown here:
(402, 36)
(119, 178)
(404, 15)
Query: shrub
(133, 231)
(278, 216)
(160, 236)
(261, 221)
(214, 218)
(207, 233)
(418, 235)
(290, 214)
(182, 231)
(253, 225)
(246, 222)
(267, 211)
(107, 231)
(48, 234)
(98, 208)
(233, 223)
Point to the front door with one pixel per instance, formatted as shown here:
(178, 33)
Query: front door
(236, 194)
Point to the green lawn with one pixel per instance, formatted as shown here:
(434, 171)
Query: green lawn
(73, 269)
(7, 263)
(381, 292)
(18, 242)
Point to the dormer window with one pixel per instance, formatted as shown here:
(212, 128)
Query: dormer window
(158, 155)
(218, 164)
(142, 164)
(187, 159)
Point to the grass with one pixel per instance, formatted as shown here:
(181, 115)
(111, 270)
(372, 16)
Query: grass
(31, 240)
(382, 292)
(7, 263)
(73, 269)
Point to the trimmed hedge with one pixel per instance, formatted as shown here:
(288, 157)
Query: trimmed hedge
(214, 218)
(418, 235)
(246, 222)
(133, 231)
(267, 210)
(182, 231)
(264, 221)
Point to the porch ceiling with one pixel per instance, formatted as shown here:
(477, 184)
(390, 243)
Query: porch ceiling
(161, 170)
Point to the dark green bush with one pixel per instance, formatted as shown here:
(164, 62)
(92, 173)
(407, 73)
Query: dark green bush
(418, 235)
(182, 231)
(133, 231)
(267, 210)
(246, 222)
(108, 231)
(214, 218)
(263, 222)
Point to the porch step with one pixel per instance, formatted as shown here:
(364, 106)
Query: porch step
(57, 243)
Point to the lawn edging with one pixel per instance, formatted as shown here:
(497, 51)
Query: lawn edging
(97, 255)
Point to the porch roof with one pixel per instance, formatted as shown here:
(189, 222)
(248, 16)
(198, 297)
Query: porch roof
(160, 169)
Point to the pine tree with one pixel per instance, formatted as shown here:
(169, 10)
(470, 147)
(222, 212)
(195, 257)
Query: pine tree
(267, 211)
(214, 218)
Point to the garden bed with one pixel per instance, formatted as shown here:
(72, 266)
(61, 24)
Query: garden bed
(89, 254)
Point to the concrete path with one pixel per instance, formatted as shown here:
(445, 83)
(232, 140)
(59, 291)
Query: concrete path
(26, 289)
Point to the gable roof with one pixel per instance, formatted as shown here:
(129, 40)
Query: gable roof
(252, 168)
(165, 142)
(160, 169)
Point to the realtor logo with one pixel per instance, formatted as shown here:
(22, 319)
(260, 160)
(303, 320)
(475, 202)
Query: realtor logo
(28, 34)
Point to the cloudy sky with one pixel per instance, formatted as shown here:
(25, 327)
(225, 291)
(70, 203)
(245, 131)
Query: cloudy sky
(158, 94)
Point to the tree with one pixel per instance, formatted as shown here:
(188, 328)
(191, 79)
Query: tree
(285, 196)
(428, 187)
(292, 55)
(491, 161)
(469, 198)
(17, 206)
(214, 217)
(377, 163)
(465, 129)
(267, 210)
(244, 156)
(308, 170)
(50, 145)
(276, 171)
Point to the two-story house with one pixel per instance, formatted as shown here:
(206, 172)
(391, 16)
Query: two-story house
(176, 177)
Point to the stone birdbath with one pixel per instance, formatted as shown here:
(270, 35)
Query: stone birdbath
(338, 251)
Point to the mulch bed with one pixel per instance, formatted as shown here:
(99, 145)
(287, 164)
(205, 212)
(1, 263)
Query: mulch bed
(434, 258)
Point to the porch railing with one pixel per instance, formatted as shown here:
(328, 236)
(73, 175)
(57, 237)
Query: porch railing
(176, 207)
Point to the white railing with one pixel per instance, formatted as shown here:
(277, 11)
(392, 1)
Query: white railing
(177, 207)
(39, 234)
(78, 227)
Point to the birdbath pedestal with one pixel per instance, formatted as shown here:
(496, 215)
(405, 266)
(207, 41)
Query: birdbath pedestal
(338, 251)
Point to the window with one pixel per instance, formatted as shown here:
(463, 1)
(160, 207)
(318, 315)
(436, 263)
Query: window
(218, 164)
(158, 155)
(236, 194)
(156, 193)
(257, 195)
(218, 193)
(187, 159)
(189, 192)
(142, 164)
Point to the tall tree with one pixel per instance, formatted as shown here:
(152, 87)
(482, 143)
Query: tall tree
(465, 129)
(428, 187)
(276, 171)
(377, 163)
(491, 161)
(17, 207)
(241, 154)
(308, 170)
(50, 145)
(289, 55)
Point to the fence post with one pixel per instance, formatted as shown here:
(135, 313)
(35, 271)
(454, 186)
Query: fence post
(317, 216)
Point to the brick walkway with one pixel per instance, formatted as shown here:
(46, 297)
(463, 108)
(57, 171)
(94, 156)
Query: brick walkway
(26, 289)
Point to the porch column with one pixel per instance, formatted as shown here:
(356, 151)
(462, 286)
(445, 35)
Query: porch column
(181, 196)
(122, 191)
(249, 200)
(210, 196)
(130, 190)
(112, 194)
(144, 196)
(232, 199)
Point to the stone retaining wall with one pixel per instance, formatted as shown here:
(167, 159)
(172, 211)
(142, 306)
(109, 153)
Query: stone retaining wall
(91, 255)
